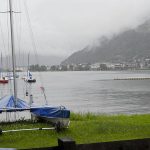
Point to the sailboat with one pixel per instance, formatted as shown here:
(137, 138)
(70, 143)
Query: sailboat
(3, 79)
(11, 103)
(29, 77)
(10, 76)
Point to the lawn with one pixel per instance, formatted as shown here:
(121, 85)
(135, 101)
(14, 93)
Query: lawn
(84, 128)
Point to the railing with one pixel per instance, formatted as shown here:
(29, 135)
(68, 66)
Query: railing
(69, 144)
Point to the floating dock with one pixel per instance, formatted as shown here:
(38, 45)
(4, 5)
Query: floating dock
(133, 78)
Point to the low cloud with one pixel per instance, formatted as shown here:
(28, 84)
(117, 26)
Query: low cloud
(62, 27)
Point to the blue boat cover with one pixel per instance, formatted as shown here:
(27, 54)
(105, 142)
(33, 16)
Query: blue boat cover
(50, 112)
(7, 104)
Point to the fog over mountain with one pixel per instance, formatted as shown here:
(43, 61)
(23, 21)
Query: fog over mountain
(62, 27)
(132, 43)
(22, 60)
(40, 59)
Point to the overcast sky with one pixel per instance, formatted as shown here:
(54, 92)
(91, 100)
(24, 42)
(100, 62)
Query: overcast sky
(62, 27)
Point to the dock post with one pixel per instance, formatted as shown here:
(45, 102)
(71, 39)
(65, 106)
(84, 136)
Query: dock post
(66, 144)
(1, 131)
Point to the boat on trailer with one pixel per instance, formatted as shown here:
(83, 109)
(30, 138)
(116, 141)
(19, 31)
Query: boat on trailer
(55, 115)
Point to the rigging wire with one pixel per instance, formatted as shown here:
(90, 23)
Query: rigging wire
(9, 49)
(8, 37)
(2, 36)
(3, 43)
(18, 29)
(2, 51)
(34, 46)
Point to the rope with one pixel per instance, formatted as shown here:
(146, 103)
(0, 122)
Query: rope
(3, 43)
(28, 129)
(34, 45)
(8, 48)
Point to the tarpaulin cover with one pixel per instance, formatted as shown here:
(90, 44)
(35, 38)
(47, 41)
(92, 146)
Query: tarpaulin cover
(7, 104)
(50, 112)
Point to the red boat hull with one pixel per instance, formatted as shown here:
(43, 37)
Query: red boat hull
(3, 81)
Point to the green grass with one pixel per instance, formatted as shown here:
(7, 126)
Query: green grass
(84, 128)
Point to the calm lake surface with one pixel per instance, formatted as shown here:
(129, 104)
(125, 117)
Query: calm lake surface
(89, 91)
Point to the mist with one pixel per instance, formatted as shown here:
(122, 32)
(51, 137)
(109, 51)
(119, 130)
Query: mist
(62, 27)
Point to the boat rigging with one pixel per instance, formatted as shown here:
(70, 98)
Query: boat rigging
(11, 103)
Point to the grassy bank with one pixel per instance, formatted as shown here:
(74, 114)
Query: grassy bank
(87, 128)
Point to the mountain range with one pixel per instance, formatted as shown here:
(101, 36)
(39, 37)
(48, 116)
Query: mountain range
(22, 60)
(129, 44)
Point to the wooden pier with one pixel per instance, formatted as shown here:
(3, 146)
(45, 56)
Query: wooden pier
(133, 78)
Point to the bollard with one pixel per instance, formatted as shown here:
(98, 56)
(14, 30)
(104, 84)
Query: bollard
(1, 131)
(66, 144)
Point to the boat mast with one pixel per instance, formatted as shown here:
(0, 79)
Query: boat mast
(13, 49)
(1, 66)
(28, 63)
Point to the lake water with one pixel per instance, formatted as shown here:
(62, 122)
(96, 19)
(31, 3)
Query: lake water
(89, 91)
